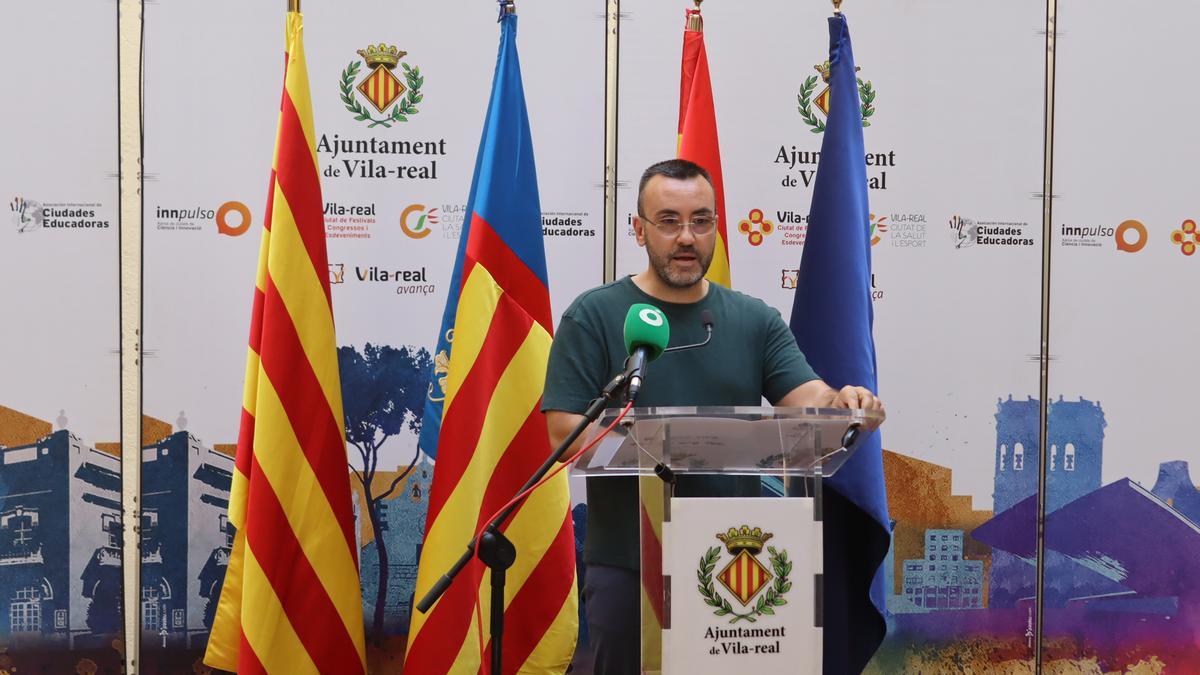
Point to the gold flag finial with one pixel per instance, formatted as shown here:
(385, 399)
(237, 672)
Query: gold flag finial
(837, 6)
(695, 22)
(293, 5)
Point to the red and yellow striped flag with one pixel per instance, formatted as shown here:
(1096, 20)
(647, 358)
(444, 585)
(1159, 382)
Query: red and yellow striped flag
(698, 132)
(291, 601)
(492, 433)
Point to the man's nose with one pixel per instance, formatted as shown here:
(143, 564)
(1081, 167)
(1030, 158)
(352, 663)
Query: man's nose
(686, 237)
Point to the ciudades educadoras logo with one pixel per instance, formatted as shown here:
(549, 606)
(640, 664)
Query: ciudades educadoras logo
(744, 579)
(392, 99)
(806, 102)
(29, 215)
(967, 232)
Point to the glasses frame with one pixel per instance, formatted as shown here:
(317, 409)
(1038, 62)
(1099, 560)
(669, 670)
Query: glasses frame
(686, 223)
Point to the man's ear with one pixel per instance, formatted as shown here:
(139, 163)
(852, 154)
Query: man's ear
(639, 230)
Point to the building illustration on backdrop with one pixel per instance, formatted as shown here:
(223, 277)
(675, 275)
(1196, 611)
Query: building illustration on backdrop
(943, 579)
(60, 536)
(186, 536)
(933, 563)
(1075, 434)
(402, 520)
(1119, 558)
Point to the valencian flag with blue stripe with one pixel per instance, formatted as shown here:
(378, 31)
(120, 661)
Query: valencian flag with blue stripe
(832, 318)
(291, 601)
(497, 333)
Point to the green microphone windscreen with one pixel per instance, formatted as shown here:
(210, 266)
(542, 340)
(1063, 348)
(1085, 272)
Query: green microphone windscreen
(646, 326)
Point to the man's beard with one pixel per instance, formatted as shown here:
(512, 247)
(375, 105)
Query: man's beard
(662, 267)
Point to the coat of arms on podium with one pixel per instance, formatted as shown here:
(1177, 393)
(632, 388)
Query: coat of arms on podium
(744, 578)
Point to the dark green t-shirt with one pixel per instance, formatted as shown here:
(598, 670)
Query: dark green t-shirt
(752, 355)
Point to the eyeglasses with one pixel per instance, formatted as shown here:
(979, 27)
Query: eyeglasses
(671, 226)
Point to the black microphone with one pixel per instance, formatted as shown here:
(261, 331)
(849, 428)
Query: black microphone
(706, 320)
(851, 436)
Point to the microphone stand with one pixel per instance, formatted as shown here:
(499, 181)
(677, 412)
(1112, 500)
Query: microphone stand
(495, 550)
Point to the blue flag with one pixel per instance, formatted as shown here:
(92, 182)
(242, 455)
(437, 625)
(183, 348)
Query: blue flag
(504, 194)
(831, 319)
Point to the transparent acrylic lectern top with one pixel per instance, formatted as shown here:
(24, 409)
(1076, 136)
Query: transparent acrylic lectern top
(734, 440)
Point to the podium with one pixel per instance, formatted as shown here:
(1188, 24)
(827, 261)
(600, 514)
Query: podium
(728, 584)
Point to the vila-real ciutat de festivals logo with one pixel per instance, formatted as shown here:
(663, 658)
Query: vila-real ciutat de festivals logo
(806, 102)
(389, 100)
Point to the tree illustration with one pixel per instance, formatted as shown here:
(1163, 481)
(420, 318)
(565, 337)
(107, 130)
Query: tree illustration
(383, 392)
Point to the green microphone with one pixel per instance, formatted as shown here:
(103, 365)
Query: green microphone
(646, 336)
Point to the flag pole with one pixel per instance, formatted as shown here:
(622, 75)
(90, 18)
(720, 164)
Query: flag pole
(837, 7)
(695, 22)
(506, 7)
(293, 5)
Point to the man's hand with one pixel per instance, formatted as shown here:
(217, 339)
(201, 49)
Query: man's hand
(817, 394)
(856, 398)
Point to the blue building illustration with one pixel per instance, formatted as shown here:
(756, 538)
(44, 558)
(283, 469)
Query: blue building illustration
(1174, 486)
(186, 539)
(943, 579)
(1016, 458)
(60, 543)
(402, 521)
(1075, 435)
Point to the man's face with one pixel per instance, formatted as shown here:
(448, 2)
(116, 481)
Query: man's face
(679, 260)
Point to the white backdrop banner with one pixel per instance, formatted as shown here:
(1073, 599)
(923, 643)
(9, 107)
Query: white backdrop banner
(1126, 518)
(60, 473)
(399, 94)
(954, 165)
(955, 98)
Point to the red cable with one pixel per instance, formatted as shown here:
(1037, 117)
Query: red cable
(521, 495)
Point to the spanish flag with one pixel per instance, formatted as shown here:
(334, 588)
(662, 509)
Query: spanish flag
(496, 335)
(291, 601)
(698, 132)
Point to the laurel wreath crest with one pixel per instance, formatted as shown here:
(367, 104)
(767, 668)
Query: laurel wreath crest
(406, 106)
(866, 95)
(767, 602)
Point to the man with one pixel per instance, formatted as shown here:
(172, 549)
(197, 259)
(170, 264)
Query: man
(752, 355)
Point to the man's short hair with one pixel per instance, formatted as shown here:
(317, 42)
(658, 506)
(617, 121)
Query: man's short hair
(677, 169)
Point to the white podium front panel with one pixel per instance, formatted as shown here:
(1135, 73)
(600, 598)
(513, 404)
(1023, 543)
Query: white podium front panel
(741, 575)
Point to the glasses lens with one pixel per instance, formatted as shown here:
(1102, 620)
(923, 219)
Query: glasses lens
(703, 224)
(670, 226)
